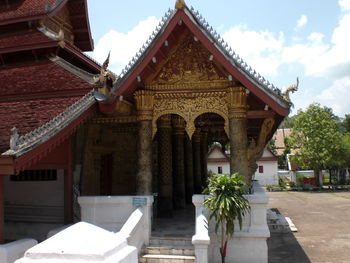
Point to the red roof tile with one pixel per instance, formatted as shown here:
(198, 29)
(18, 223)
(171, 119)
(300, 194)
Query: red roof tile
(23, 39)
(39, 78)
(24, 9)
(28, 115)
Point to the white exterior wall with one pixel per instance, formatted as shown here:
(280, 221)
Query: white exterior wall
(213, 166)
(33, 208)
(269, 176)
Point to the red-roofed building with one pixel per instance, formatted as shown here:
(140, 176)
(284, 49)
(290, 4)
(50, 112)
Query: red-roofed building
(44, 78)
(146, 131)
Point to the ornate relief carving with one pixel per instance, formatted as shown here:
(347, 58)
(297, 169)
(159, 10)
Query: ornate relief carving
(144, 104)
(188, 67)
(61, 23)
(190, 109)
(237, 102)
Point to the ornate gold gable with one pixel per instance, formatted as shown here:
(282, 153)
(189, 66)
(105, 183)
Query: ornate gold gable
(188, 67)
(188, 83)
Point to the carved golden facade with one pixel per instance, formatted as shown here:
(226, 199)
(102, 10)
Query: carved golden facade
(144, 104)
(237, 102)
(188, 83)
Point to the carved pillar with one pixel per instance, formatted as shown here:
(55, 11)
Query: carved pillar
(204, 152)
(165, 171)
(144, 105)
(237, 111)
(189, 182)
(256, 149)
(179, 162)
(196, 148)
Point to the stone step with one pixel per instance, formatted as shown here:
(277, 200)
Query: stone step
(171, 241)
(169, 250)
(166, 259)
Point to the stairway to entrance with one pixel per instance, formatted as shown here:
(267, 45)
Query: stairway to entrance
(171, 239)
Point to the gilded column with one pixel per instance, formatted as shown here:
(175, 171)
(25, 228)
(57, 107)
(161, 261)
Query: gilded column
(189, 182)
(165, 171)
(196, 144)
(204, 152)
(179, 162)
(237, 111)
(144, 104)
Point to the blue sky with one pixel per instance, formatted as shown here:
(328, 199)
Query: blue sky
(281, 39)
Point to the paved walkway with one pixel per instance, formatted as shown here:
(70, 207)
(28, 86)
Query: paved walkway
(323, 222)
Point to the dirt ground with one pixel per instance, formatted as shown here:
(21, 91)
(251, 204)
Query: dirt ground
(323, 222)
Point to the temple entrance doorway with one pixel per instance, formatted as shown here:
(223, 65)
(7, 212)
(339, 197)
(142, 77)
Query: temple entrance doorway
(180, 169)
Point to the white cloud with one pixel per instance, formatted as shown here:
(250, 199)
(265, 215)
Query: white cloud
(124, 46)
(337, 96)
(344, 5)
(302, 21)
(260, 49)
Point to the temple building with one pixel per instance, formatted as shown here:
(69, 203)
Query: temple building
(70, 127)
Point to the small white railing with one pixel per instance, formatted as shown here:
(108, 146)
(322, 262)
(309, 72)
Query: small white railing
(248, 244)
(129, 216)
(135, 229)
(201, 239)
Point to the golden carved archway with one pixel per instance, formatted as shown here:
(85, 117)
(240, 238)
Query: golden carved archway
(189, 106)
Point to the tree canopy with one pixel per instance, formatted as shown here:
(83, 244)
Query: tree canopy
(316, 138)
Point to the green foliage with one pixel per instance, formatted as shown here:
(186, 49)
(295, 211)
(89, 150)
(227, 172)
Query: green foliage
(346, 148)
(271, 145)
(226, 203)
(288, 122)
(316, 136)
(346, 124)
(282, 160)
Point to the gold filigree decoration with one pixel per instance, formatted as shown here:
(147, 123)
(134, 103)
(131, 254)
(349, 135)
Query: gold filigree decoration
(190, 109)
(237, 102)
(144, 104)
(188, 67)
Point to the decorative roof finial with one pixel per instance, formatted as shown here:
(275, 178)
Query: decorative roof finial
(290, 89)
(180, 4)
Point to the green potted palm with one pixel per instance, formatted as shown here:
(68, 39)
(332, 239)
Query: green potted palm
(226, 203)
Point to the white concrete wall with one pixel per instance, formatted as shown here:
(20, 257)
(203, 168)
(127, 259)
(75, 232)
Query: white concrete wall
(32, 208)
(84, 243)
(110, 212)
(269, 176)
(14, 250)
(249, 244)
(213, 166)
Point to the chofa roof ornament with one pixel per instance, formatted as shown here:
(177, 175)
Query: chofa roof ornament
(106, 79)
(290, 89)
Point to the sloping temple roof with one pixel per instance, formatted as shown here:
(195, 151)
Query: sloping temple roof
(220, 49)
(235, 68)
